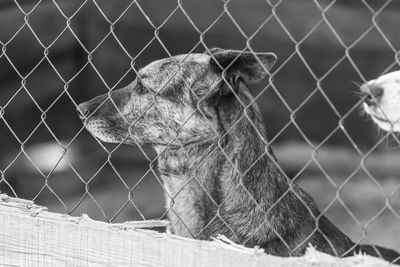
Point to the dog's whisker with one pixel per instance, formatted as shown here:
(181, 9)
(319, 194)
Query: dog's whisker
(359, 84)
(359, 94)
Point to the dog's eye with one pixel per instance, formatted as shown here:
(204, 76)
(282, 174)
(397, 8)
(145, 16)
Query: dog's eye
(140, 88)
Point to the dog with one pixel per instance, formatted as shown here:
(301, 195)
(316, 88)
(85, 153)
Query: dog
(219, 172)
(382, 101)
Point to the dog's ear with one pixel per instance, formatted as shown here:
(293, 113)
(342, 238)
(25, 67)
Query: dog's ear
(247, 66)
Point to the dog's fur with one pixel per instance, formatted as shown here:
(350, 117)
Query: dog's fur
(213, 156)
(382, 102)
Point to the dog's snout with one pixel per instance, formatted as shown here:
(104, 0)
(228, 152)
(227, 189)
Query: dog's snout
(84, 110)
(374, 94)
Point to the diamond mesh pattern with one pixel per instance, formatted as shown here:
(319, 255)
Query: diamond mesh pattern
(49, 46)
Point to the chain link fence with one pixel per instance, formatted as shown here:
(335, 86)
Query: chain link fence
(56, 54)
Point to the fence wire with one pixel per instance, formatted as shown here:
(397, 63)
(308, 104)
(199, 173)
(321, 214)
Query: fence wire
(88, 62)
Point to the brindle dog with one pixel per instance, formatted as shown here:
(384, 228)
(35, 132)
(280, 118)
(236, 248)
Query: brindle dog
(220, 175)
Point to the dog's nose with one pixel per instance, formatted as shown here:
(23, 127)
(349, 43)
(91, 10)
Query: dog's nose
(375, 94)
(83, 110)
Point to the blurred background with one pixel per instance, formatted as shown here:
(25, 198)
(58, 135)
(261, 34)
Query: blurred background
(56, 54)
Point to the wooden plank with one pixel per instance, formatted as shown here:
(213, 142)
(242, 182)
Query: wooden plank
(32, 236)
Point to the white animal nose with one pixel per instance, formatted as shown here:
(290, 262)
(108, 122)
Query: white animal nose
(83, 110)
(374, 93)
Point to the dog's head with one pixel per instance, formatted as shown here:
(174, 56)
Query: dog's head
(383, 101)
(175, 100)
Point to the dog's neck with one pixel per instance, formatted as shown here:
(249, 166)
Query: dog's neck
(232, 186)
